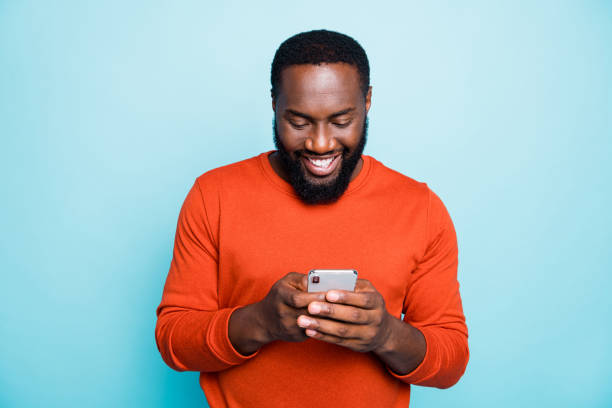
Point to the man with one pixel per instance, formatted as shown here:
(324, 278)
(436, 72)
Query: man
(235, 306)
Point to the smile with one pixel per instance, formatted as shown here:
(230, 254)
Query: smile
(321, 167)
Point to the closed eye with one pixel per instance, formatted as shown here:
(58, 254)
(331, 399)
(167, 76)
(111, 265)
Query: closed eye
(298, 125)
(342, 124)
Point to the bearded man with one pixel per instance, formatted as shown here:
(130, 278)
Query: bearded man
(235, 305)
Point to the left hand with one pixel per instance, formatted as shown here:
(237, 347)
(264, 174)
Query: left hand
(357, 320)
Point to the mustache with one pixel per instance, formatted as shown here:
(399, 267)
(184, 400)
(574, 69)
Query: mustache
(310, 153)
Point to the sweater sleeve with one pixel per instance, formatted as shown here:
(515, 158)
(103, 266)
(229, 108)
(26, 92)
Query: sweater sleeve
(192, 331)
(433, 305)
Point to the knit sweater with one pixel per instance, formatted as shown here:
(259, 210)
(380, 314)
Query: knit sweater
(242, 228)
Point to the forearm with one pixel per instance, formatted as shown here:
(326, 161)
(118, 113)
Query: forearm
(404, 347)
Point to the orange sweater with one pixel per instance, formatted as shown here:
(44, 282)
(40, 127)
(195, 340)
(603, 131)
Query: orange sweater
(242, 228)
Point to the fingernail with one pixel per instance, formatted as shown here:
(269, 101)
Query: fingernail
(333, 296)
(314, 308)
(310, 333)
(303, 321)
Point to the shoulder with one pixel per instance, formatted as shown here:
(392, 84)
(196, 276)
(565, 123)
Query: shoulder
(395, 186)
(393, 181)
(414, 195)
(206, 196)
(234, 174)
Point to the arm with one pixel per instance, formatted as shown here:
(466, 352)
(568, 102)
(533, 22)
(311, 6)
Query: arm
(192, 331)
(430, 346)
(433, 305)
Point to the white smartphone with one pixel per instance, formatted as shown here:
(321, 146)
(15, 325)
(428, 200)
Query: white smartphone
(322, 280)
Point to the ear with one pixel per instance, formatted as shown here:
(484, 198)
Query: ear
(368, 100)
(273, 104)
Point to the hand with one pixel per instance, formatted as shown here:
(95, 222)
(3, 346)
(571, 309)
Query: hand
(279, 310)
(357, 320)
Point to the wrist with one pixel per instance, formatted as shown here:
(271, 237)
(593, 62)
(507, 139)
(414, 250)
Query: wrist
(261, 332)
(388, 330)
(404, 348)
(246, 333)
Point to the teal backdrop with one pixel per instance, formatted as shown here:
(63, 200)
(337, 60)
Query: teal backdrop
(110, 110)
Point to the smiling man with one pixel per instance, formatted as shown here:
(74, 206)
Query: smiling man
(235, 305)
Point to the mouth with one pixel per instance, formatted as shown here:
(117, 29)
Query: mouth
(321, 166)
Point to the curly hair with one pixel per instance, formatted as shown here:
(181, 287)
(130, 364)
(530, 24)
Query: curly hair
(318, 47)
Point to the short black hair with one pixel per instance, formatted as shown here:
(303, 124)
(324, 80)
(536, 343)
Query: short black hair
(318, 47)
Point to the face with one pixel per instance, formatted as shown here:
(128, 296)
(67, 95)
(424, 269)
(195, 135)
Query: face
(320, 127)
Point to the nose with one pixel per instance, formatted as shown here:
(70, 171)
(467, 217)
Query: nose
(321, 140)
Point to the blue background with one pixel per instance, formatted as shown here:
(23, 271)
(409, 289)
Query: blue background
(109, 110)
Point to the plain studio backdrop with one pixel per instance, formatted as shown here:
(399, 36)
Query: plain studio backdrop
(110, 110)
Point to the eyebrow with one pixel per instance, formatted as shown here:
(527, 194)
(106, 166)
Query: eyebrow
(310, 118)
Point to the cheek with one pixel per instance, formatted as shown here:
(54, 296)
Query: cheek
(351, 137)
(291, 139)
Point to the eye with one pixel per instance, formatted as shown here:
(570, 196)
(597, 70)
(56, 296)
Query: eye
(298, 125)
(342, 124)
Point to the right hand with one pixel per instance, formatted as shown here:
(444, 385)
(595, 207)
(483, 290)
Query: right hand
(287, 299)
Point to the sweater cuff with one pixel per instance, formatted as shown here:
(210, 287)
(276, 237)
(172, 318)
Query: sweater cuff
(217, 336)
(427, 368)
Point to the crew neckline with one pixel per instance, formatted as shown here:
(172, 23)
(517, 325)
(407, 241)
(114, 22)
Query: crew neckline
(286, 188)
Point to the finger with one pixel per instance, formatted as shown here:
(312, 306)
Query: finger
(293, 290)
(297, 280)
(351, 344)
(332, 327)
(345, 313)
(299, 299)
(365, 300)
(326, 337)
(364, 285)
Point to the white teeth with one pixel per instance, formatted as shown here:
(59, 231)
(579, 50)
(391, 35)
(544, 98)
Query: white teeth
(322, 163)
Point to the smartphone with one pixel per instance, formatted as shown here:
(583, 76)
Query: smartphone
(322, 280)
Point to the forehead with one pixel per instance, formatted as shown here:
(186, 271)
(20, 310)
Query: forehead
(308, 86)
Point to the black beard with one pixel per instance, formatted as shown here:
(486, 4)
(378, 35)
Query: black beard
(312, 193)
